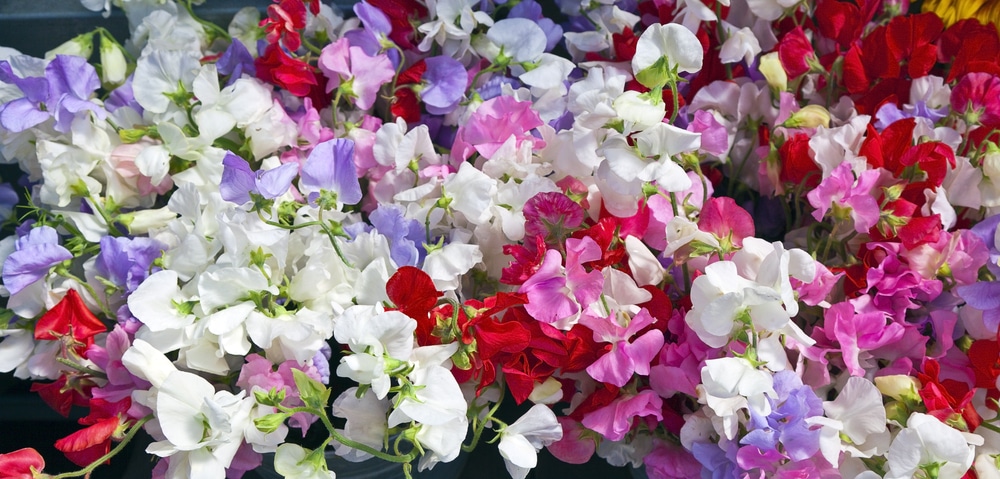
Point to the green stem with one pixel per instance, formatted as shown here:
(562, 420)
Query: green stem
(121, 445)
(82, 369)
(211, 27)
(354, 444)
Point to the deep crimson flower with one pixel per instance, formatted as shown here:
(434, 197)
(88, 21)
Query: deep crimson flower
(70, 319)
(278, 68)
(403, 14)
(526, 260)
(844, 21)
(910, 38)
(796, 166)
(21, 464)
(970, 46)
(283, 22)
(794, 51)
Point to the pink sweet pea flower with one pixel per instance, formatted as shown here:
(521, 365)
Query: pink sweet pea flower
(842, 188)
(625, 358)
(726, 221)
(548, 301)
(495, 121)
(358, 75)
(859, 332)
(615, 420)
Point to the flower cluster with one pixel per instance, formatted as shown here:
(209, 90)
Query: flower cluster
(740, 238)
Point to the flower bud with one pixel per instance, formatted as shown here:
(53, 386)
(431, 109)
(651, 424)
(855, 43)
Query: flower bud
(81, 45)
(810, 116)
(899, 387)
(113, 64)
(770, 67)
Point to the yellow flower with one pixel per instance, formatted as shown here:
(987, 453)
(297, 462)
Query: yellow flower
(951, 11)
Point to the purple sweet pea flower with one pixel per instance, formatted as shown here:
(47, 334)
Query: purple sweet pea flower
(787, 422)
(63, 92)
(444, 84)
(239, 181)
(123, 96)
(35, 252)
(330, 167)
(717, 463)
(126, 261)
(236, 61)
(371, 38)
(404, 234)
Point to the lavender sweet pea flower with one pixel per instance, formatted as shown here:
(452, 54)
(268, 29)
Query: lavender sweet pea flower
(404, 234)
(35, 252)
(444, 84)
(236, 61)
(787, 422)
(126, 261)
(122, 97)
(239, 181)
(377, 28)
(330, 167)
(63, 92)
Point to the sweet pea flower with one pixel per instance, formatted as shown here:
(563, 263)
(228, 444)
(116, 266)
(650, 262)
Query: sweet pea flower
(373, 336)
(356, 73)
(522, 439)
(926, 442)
(625, 358)
(842, 191)
(239, 181)
(616, 419)
(493, 123)
(35, 253)
(290, 460)
(62, 93)
(731, 384)
(663, 49)
(330, 167)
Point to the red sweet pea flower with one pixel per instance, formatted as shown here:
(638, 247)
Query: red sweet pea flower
(909, 38)
(947, 400)
(970, 46)
(283, 23)
(402, 14)
(89, 444)
(278, 68)
(796, 166)
(24, 463)
(795, 51)
(844, 22)
(64, 392)
(70, 319)
(414, 294)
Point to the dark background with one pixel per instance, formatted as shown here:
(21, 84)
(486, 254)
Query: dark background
(36, 26)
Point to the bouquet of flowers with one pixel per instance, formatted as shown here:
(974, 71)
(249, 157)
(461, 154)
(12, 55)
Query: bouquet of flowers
(726, 238)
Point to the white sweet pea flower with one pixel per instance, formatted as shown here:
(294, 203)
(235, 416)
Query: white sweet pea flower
(663, 49)
(731, 384)
(290, 461)
(519, 39)
(861, 417)
(471, 192)
(366, 422)
(929, 444)
(160, 74)
(742, 44)
(155, 303)
(240, 104)
(373, 335)
(771, 10)
(521, 441)
(646, 269)
(721, 296)
(638, 111)
(452, 27)
(198, 428)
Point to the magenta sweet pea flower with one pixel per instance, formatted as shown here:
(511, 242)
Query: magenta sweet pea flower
(842, 188)
(859, 332)
(548, 301)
